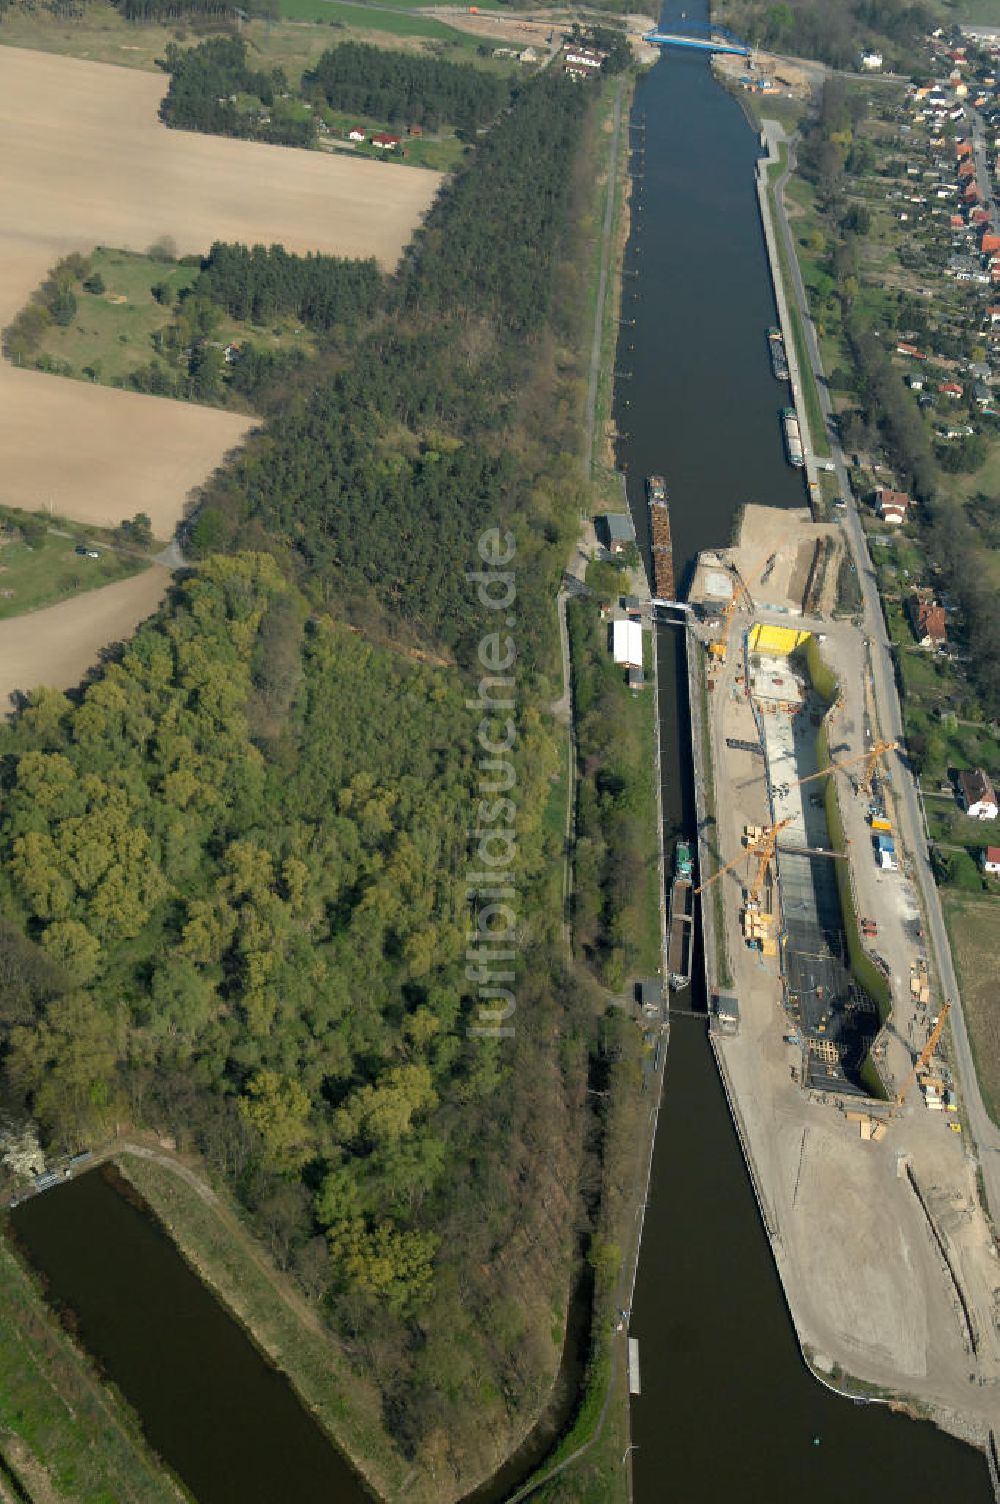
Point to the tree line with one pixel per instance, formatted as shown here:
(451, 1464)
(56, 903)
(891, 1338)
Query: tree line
(406, 88)
(259, 283)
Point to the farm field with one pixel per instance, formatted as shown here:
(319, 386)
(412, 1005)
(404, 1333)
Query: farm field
(57, 646)
(84, 161)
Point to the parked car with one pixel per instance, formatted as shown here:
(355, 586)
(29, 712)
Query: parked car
(87, 553)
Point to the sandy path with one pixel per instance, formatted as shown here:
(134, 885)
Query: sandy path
(58, 645)
(84, 161)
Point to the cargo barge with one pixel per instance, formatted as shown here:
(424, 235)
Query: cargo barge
(680, 920)
(779, 361)
(793, 437)
(661, 544)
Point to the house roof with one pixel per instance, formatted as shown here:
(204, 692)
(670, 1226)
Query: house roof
(928, 620)
(887, 498)
(951, 387)
(976, 786)
(383, 138)
(992, 855)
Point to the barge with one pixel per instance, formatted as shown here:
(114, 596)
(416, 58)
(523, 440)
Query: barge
(793, 437)
(661, 543)
(680, 920)
(779, 360)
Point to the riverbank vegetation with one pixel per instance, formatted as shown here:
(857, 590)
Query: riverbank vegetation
(616, 917)
(834, 34)
(238, 859)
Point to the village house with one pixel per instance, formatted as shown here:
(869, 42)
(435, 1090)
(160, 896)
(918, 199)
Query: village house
(892, 505)
(950, 389)
(385, 142)
(928, 622)
(991, 861)
(356, 134)
(976, 793)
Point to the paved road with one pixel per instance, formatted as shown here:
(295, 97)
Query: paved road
(984, 1132)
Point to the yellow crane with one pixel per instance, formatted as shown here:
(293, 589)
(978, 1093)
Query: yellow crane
(923, 1058)
(869, 758)
(718, 647)
(762, 848)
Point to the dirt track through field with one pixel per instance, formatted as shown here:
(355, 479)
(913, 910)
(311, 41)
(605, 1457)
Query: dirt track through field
(84, 161)
(57, 646)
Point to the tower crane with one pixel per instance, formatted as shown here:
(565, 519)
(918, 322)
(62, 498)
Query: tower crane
(923, 1058)
(763, 849)
(869, 758)
(718, 647)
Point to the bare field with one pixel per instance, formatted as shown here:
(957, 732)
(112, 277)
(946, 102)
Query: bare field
(84, 161)
(973, 925)
(57, 646)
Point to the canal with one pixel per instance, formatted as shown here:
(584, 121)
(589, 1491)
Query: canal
(728, 1409)
(229, 1425)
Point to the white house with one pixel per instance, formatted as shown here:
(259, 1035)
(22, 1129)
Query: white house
(978, 798)
(871, 61)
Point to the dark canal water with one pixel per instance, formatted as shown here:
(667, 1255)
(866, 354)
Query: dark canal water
(728, 1411)
(228, 1424)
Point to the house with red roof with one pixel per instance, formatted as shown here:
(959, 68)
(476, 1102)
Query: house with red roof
(386, 142)
(928, 622)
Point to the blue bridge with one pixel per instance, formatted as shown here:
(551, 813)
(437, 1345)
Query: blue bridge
(699, 44)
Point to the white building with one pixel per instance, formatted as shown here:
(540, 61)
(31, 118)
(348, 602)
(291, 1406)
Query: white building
(626, 642)
(991, 861)
(871, 61)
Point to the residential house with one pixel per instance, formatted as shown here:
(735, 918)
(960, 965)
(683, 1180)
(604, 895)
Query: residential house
(871, 62)
(386, 142)
(928, 622)
(990, 242)
(977, 795)
(911, 350)
(892, 505)
(981, 394)
(587, 58)
(990, 859)
(950, 389)
(356, 134)
(967, 169)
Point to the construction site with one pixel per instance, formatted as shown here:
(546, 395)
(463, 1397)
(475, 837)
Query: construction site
(829, 1028)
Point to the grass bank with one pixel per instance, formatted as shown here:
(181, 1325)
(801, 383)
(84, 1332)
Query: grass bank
(972, 927)
(810, 394)
(606, 481)
(40, 562)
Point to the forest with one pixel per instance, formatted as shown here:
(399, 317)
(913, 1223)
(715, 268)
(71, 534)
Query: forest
(233, 867)
(404, 445)
(406, 88)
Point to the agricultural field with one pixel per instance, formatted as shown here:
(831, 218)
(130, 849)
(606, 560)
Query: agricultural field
(84, 161)
(57, 646)
(41, 562)
(972, 924)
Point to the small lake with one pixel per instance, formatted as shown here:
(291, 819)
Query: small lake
(229, 1425)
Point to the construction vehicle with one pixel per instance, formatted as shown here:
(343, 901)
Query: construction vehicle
(923, 1059)
(719, 645)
